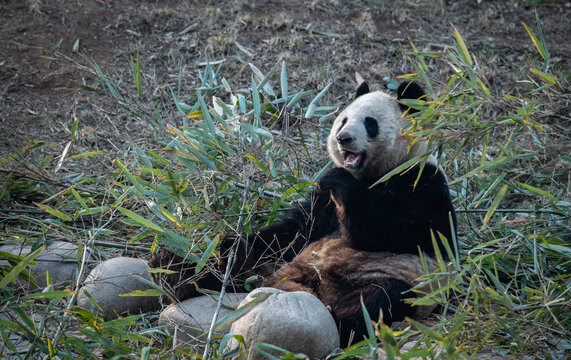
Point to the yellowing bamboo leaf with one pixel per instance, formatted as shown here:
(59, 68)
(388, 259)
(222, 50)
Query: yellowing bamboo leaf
(258, 163)
(91, 153)
(55, 212)
(408, 76)
(49, 295)
(148, 292)
(463, 48)
(499, 196)
(484, 88)
(547, 78)
(537, 126)
(161, 271)
(51, 349)
(538, 45)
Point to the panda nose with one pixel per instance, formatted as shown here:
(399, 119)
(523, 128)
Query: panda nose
(344, 139)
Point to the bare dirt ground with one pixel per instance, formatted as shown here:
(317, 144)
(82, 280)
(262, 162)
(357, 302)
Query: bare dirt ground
(49, 48)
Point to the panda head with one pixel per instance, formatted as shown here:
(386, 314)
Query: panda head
(366, 137)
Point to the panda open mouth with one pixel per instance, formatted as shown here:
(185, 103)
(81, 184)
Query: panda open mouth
(353, 160)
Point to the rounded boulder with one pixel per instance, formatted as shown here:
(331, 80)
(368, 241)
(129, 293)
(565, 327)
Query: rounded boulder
(112, 278)
(58, 259)
(189, 321)
(295, 321)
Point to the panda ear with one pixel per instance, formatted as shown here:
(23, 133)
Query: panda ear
(362, 89)
(410, 90)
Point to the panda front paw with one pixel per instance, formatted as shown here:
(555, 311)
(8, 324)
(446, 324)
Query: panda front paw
(336, 179)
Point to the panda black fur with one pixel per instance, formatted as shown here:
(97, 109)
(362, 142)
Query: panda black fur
(366, 143)
(345, 215)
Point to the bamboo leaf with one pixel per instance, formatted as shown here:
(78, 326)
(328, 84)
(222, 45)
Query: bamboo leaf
(426, 330)
(148, 292)
(138, 76)
(368, 323)
(538, 191)
(147, 282)
(258, 164)
(55, 212)
(138, 218)
(62, 157)
(499, 196)
(49, 295)
(74, 128)
(94, 210)
(194, 114)
(548, 78)
(6, 339)
(463, 50)
(538, 45)
(481, 168)
(295, 99)
(21, 266)
(256, 99)
(161, 271)
(107, 83)
(484, 88)
(79, 199)
(242, 104)
(144, 158)
(398, 169)
(206, 114)
(489, 189)
(264, 79)
(206, 255)
(283, 81)
(234, 315)
(257, 130)
(91, 153)
(129, 176)
(318, 96)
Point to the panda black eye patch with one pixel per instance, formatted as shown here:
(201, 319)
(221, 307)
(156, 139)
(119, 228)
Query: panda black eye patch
(372, 127)
(343, 122)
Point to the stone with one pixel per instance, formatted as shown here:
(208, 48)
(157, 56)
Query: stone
(59, 259)
(189, 321)
(113, 277)
(295, 321)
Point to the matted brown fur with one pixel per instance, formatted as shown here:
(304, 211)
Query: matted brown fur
(330, 270)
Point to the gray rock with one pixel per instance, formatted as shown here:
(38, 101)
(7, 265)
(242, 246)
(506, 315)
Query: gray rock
(108, 280)
(295, 321)
(189, 321)
(22, 343)
(59, 259)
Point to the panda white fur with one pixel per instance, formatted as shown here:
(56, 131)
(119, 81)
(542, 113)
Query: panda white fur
(364, 240)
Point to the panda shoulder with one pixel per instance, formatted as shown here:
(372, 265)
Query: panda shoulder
(432, 167)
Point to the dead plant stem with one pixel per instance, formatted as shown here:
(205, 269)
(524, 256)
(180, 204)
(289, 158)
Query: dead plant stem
(230, 263)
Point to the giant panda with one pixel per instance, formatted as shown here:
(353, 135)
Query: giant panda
(349, 239)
